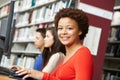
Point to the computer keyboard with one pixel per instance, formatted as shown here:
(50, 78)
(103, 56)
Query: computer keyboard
(12, 73)
(5, 71)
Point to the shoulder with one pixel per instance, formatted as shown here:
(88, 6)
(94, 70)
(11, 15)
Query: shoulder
(58, 55)
(84, 50)
(83, 53)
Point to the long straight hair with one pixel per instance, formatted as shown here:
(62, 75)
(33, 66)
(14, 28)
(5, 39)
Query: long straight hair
(56, 47)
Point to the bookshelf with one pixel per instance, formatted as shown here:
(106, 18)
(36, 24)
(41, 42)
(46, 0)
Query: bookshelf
(111, 66)
(34, 16)
(30, 15)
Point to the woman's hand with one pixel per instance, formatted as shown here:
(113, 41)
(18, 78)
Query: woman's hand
(30, 73)
(15, 67)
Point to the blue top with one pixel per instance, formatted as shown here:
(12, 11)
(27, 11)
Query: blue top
(38, 63)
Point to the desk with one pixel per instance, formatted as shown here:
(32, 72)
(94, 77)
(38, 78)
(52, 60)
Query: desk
(2, 77)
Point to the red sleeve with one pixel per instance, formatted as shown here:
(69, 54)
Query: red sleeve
(48, 76)
(84, 65)
(51, 76)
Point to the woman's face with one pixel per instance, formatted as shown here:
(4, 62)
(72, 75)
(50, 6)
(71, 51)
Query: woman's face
(49, 39)
(68, 32)
(39, 40)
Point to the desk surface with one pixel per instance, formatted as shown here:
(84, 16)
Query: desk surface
(5, 78)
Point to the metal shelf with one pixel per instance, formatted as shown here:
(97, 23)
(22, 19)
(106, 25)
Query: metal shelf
(111, 69)
(112, 58)
(114, 42)
(25, 52)
(115, 25)
(23, 41)
(117, 8)
(33, 24)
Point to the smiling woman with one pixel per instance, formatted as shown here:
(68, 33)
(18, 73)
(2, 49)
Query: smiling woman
(68, 31)
(71, 26)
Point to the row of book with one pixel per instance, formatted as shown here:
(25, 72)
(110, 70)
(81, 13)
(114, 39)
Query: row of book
(45, 13)
(4, 10)
(26, 4)
(113, 50)
(20, 60)
(114, 34)
(27, 48)
(22, 5)
(25, 34)
(28, 33)
(110, 76)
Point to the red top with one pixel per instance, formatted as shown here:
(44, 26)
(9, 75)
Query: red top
(78, 67)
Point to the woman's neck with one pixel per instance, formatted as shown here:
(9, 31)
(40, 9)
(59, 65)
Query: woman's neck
(72, 48)
(41, 49)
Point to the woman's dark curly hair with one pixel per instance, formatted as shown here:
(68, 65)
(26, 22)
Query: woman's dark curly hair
(76, 14)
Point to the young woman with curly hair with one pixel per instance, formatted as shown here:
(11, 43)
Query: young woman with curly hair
(72, 27)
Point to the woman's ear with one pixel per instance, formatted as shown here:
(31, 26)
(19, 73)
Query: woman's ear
(80, 32)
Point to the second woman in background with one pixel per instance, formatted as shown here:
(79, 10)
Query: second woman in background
(53, 52)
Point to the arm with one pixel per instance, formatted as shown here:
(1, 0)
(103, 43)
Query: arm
(38, 75)
(84, 66)
(30, 73)
(56, 58)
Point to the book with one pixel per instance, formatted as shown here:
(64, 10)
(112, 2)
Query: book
(40, 14)
(29, 62)
(18, 47)
(32, 30)
(31, 48)
(33, 17)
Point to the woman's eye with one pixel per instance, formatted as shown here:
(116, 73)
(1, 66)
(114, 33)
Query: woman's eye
(37, 37)
(59, 28)
(70, 28)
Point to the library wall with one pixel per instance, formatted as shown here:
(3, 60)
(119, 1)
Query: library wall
(99, 21)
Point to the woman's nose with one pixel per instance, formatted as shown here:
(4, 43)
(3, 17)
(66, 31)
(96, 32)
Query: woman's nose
(64, 31)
